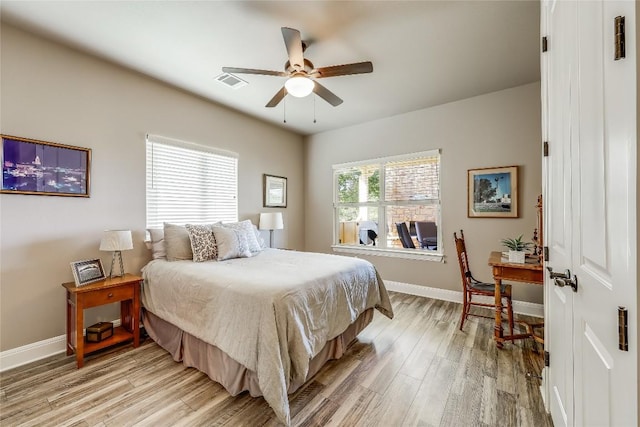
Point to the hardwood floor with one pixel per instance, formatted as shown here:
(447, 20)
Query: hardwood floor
(417, 369)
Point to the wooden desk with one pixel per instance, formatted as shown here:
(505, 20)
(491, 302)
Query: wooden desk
(530, 272)
(126, 290)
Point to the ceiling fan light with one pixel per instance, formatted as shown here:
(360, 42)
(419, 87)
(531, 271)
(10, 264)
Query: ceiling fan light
(299, 86)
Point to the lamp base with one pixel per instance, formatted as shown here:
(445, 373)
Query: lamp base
(118, 255)
(271, 238)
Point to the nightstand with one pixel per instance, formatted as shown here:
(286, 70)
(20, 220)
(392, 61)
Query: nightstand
(126, 290)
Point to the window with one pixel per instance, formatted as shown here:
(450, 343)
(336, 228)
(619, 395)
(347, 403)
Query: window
(189, 183)
(389, 206)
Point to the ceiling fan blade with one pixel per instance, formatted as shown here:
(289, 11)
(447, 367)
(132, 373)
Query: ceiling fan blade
(326, 94)
(233, 70)
(343, 70)
(277, 98)
(293, 42)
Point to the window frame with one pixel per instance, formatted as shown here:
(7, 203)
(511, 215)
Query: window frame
(382, 204)
(202, 176)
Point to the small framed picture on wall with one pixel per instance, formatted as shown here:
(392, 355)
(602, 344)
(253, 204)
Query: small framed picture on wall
(275, 191)
(492, 192)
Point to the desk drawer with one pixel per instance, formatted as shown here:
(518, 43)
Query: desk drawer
(108, 296)
(515, 274)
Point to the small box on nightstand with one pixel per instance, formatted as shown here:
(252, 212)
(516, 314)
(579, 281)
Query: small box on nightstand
(99, 331)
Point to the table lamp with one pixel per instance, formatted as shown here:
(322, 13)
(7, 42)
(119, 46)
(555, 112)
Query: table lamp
(116, 241)
(271, 221)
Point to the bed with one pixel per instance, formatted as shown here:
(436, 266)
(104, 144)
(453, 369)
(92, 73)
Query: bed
(264, 323)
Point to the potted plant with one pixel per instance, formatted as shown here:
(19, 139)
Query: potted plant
(516, 249)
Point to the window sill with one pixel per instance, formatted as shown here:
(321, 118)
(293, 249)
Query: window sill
(417, 254)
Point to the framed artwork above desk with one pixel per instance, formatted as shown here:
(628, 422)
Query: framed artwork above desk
(492, 192)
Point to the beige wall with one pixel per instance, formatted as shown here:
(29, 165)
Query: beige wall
(52, 93)
(498, 129)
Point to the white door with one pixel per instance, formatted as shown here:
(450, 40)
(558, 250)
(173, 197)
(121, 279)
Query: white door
(592, 230)
(559, 75)
(604, 238)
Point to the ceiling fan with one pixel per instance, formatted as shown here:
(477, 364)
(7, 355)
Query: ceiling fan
(301, 73)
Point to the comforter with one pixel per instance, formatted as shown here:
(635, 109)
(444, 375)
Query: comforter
(272, 312)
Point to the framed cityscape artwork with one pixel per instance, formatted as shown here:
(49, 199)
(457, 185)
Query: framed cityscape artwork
(45, 168)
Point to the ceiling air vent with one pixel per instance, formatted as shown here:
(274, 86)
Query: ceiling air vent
(231, 81)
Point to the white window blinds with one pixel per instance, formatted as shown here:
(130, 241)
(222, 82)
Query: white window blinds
(189, 183)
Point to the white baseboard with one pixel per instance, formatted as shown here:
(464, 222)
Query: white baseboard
(19, 356)
(33, 352)
(15, 357)
(520, 307)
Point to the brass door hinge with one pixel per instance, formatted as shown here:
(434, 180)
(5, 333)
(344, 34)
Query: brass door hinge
(544, 44)
(545, 150)
(545, 251)
(619, 38)
(546, 358)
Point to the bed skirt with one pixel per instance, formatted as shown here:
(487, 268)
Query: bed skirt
(221, 368)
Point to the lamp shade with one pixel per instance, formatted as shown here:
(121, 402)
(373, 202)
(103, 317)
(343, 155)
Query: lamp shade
(299, 86)
(116, 240)
(271, 221)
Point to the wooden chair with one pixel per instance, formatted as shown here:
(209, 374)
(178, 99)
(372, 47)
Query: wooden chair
(472, 287)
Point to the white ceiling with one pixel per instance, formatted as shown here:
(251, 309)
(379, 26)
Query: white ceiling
(424, 53)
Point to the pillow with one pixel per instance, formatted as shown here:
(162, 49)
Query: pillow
(176, 242)
(203, 243)
(231, 243)
(247, 227)
(157, 243)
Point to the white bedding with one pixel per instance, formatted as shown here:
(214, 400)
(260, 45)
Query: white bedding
(272, 313)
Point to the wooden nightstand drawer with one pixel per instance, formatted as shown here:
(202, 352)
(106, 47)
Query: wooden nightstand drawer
(107, 296)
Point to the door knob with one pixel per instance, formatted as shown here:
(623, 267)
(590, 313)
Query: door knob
(564, 279)
(554, 275)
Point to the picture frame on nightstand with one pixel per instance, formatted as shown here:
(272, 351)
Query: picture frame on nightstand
(87, 271)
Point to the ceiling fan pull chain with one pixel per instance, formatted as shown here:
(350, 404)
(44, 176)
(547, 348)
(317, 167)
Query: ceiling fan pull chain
(284, 111)
(314, 109)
